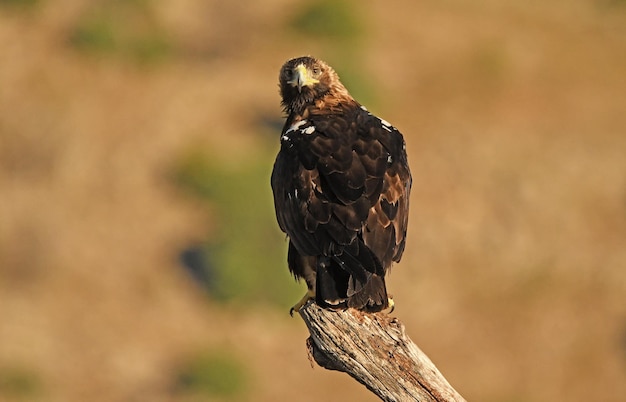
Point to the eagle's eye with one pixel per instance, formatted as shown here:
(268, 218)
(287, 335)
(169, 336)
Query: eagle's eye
(316, 71)
(288, 73)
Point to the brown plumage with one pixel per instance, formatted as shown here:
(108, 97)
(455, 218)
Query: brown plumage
(341, 186)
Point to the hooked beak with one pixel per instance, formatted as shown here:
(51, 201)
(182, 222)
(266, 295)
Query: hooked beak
(302, 78)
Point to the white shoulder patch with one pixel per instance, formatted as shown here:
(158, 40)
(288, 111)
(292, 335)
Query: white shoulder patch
(296, 126)
(386, 125)
(309, 130)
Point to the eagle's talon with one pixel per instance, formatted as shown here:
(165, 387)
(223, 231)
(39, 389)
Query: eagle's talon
(309, 295)
(391, 305)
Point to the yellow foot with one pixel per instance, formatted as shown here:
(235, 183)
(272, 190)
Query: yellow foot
(310, 294)
(390, 305)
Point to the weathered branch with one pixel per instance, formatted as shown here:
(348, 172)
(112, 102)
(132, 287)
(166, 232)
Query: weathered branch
(374, 350)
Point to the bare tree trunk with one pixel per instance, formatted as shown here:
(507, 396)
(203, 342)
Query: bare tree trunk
(374, 350)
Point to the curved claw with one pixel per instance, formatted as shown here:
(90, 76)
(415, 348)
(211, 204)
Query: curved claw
(310, 295)
(391, 305)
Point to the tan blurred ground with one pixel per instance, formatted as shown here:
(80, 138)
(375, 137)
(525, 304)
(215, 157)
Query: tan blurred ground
(514, 278)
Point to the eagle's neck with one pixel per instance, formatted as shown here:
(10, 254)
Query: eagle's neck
(334, 101)
(333, 104)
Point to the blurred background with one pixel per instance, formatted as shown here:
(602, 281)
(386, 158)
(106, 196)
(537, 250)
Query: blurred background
(140, 259)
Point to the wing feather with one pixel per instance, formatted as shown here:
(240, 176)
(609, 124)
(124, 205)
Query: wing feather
(343, 176)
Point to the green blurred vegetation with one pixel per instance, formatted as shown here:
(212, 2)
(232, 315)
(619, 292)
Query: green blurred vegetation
(355, 78)
(613, 3)
(125, 29)
(340, 27)
(249, 253)
(489, 62)
(24, 4)
(336, 20)
(18, 384)
(213, 375)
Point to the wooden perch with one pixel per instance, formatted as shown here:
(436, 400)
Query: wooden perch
(374, 350)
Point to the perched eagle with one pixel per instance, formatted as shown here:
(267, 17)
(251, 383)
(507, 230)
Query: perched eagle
(341, 186)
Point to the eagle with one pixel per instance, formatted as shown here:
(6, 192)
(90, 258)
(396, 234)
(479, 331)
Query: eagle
(341, 185)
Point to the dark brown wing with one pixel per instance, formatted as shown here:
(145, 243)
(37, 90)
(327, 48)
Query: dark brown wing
(385, 229)
(342, 180)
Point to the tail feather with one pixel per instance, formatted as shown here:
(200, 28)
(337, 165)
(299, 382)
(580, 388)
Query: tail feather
(331, 283)
(373, 297)
(354, 278)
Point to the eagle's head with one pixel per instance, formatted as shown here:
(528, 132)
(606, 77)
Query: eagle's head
(305, 80)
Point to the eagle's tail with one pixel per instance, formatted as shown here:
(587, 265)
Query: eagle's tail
(355, 278)
(373, 296)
